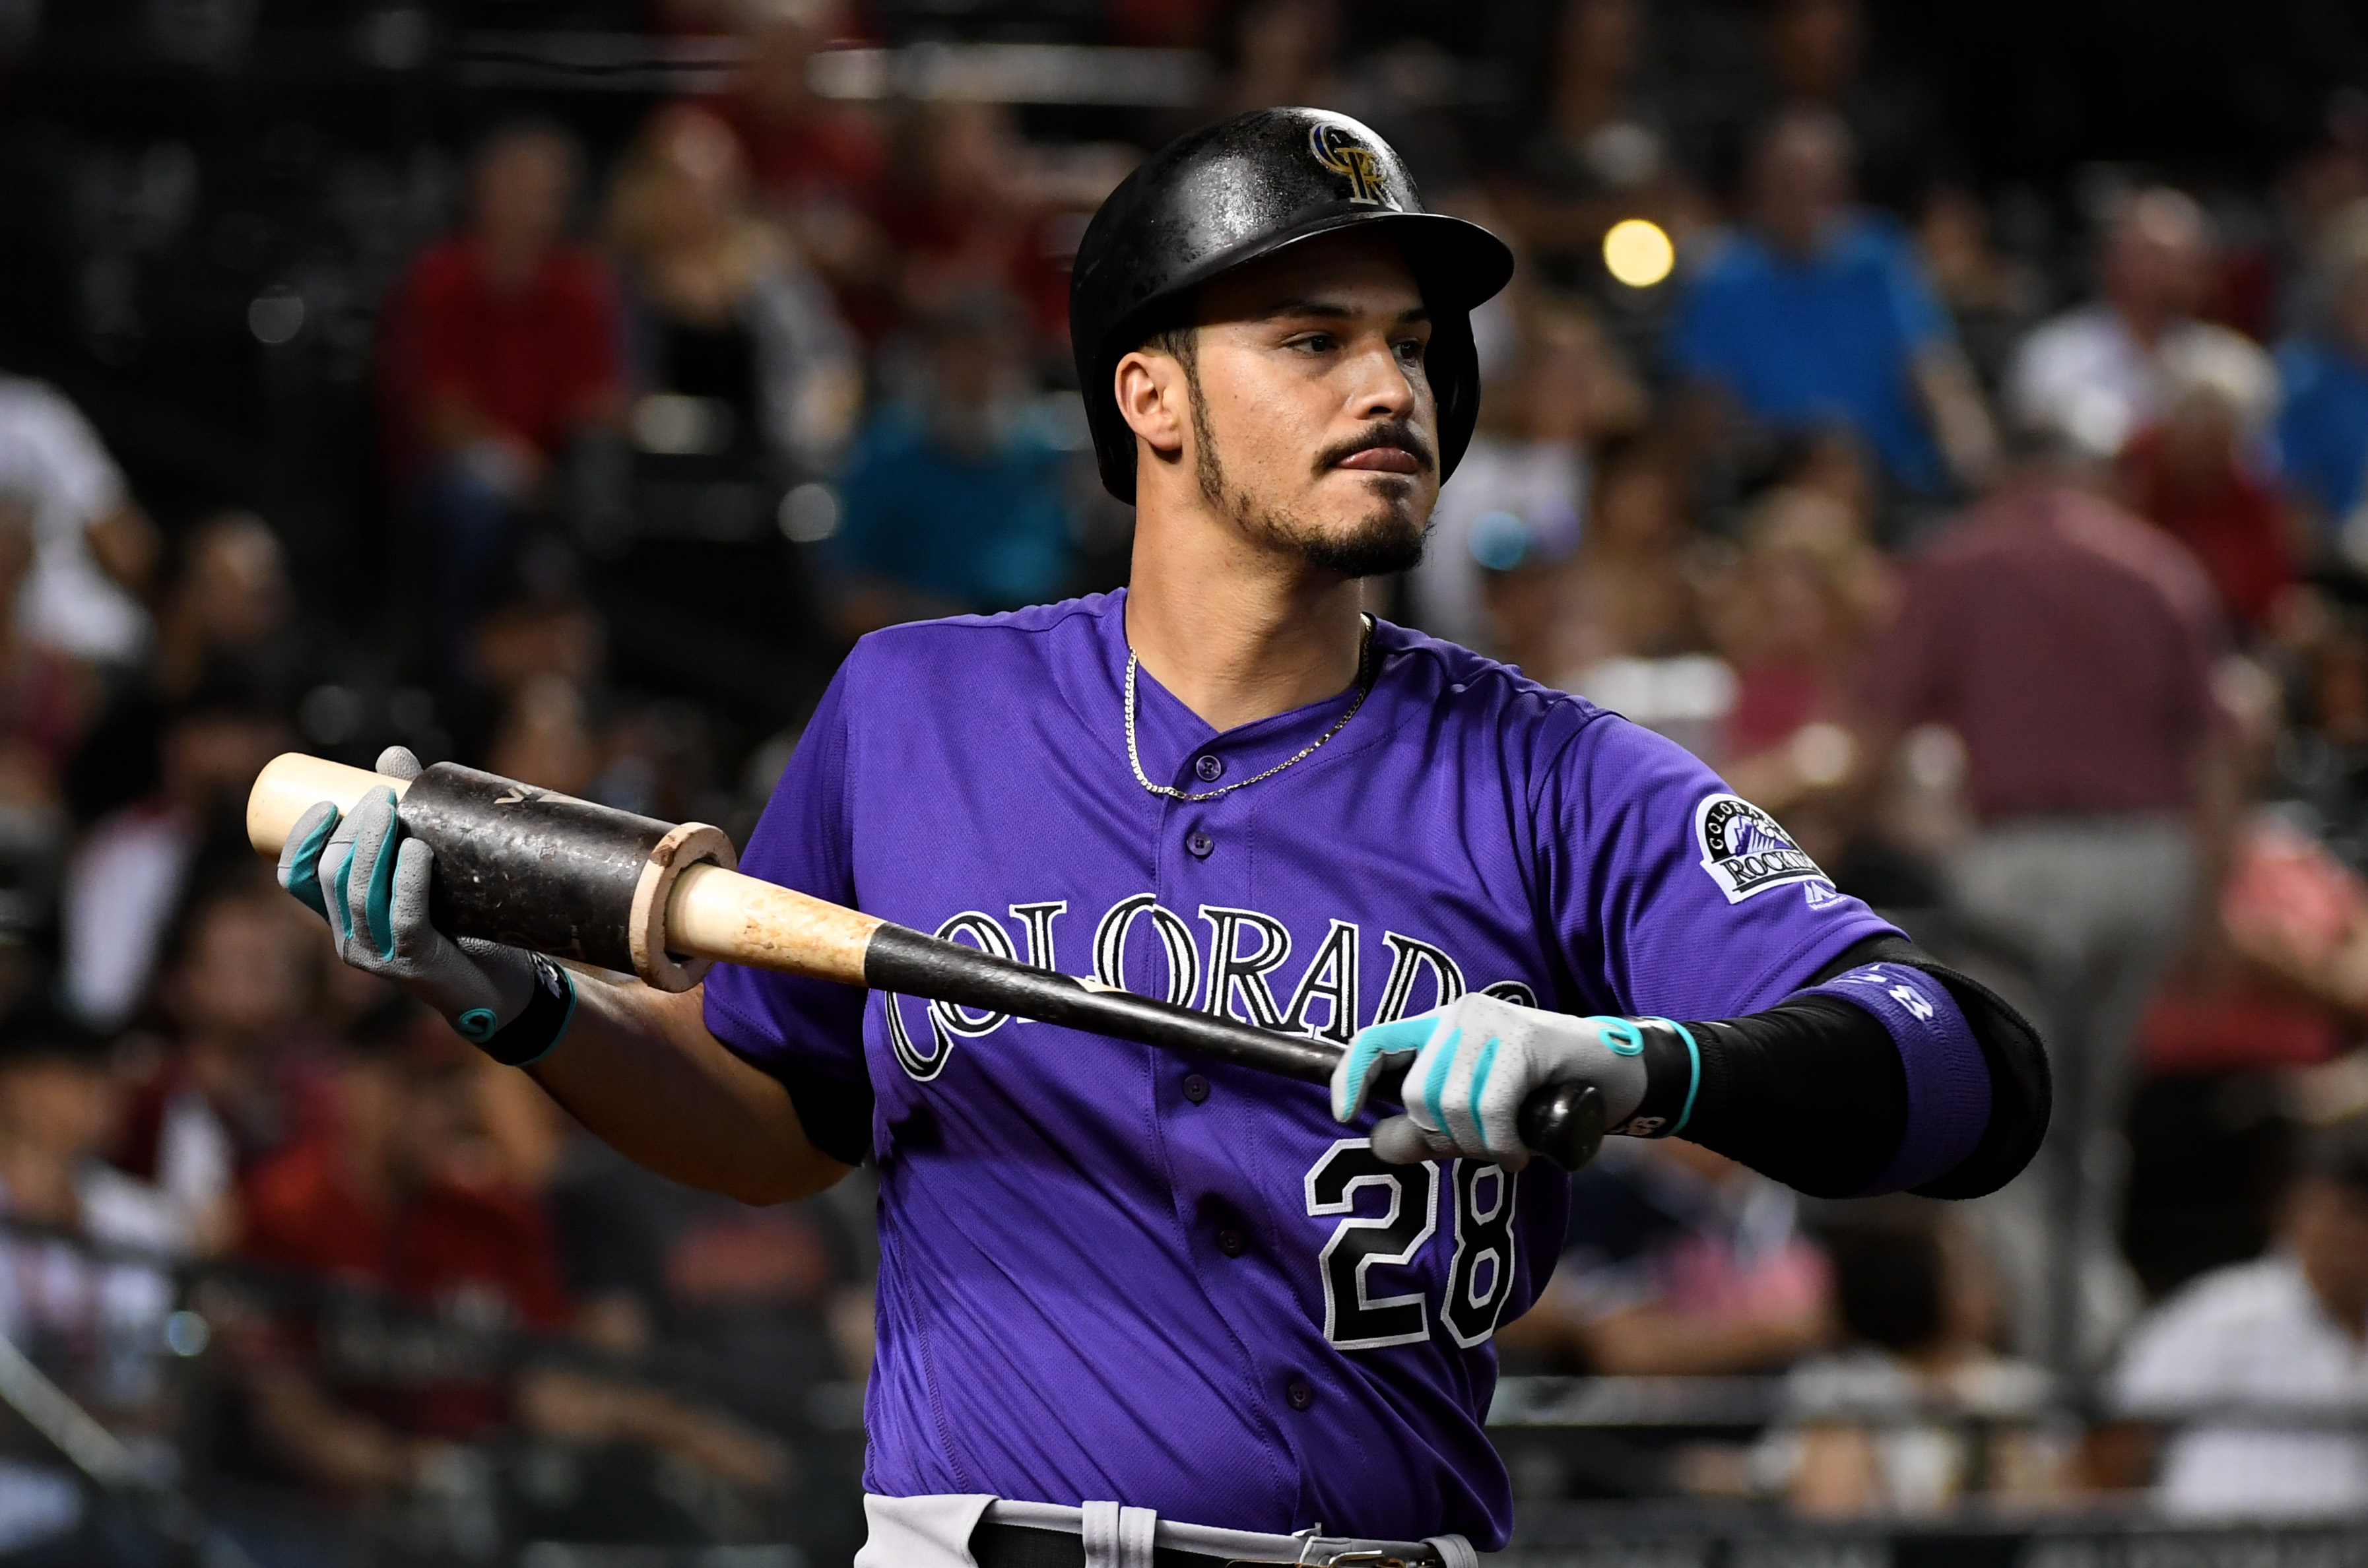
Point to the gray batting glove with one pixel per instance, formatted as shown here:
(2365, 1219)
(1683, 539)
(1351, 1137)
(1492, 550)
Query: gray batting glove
(370, 883)
(1469, 1067)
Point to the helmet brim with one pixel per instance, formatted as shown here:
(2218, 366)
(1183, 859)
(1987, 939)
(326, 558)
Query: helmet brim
(1456, 264)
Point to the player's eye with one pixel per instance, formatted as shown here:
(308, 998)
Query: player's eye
(1409, 350)
(1313, 342)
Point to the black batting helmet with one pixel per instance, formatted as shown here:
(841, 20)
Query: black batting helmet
(1246, 188)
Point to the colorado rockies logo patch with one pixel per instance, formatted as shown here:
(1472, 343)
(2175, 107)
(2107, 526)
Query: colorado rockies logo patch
(1337, 148)
(1746, 852)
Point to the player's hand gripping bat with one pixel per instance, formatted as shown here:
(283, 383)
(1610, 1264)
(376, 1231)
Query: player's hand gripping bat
(589, 883)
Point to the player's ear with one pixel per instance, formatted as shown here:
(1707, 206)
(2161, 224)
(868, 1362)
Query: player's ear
(1154, 397)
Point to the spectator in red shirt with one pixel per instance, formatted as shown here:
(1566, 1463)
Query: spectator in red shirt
(436, 1304)
(2070, 646)
(960, 218)
(819, 166)
(245, 1080)
(816, 163)
(391, 1202)
(501, 344)
(2187, 473)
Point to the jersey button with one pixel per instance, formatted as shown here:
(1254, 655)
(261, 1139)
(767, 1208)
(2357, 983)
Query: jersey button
(1210, 768)
(1196, 1088)
(1300, 1393)
(1231, 1241)
(1200, 844)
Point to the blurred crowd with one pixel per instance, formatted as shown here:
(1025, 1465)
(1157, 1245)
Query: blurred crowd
(2022, 574)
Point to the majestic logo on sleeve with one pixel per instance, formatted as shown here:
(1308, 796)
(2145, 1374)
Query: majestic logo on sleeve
(1337, 148)
(1746, 852)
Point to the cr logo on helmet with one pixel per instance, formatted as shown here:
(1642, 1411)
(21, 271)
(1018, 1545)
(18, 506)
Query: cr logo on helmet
(1339, 150)
(1235, 192)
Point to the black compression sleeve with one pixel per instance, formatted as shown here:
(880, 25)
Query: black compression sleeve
(1810, 1092)
(2022, 1094)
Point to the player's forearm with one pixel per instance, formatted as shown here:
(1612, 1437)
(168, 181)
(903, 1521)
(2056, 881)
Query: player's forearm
(1811, 1092)
(640, 1068)
(1869, 1080)
(1872, 1083)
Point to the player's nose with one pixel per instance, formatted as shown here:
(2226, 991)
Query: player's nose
(1382, 385)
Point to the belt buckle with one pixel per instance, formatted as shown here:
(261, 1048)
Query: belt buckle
(1367, 1559)
(1312, 1537)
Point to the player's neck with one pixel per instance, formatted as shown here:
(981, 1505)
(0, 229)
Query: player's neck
(1235, 633)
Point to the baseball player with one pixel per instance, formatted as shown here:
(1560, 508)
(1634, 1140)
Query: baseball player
(1128, 1300)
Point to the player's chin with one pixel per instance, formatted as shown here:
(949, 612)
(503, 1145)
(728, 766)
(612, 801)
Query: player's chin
(1376, 544)
(1377, 529)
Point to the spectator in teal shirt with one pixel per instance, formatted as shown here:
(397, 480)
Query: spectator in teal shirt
(1819, 315)
(957, 499)
(2323, 425)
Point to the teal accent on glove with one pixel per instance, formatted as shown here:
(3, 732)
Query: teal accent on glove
(477, 1025)
(378, 912)
(1368, 1053)
(1470, 1066)
(341, 912)
(1620, 1037)
(1693, 1053)
(301, 874)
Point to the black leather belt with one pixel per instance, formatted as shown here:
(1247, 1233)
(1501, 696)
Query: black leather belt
(1024, 1546)
(1021, 1546)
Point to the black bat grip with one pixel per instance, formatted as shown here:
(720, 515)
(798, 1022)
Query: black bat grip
(1565, 1122)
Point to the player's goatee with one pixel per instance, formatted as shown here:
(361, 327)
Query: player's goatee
(1376, 547)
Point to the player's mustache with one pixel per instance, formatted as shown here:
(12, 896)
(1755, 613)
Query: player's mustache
(1399, 433)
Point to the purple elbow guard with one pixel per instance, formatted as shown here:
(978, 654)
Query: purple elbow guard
(1948, 1083)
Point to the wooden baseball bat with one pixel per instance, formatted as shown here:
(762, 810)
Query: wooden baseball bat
(577, 880)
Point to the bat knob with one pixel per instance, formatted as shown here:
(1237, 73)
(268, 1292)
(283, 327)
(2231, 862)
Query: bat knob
(1565, 1122)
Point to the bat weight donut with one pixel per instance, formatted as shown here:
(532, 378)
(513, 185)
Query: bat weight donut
(555, 874)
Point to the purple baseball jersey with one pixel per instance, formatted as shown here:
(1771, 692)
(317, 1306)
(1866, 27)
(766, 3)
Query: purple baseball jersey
(1109, 1272)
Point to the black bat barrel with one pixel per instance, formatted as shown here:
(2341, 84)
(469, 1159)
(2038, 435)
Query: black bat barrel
(529, 868)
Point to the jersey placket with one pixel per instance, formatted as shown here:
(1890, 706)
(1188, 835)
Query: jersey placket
(1218, 1121)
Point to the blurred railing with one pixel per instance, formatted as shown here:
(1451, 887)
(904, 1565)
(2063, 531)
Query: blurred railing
(168, 1476)
(1698, 1535)
(970, 73)
(138, 1401)
(1548, 1403)
(1562, 1435)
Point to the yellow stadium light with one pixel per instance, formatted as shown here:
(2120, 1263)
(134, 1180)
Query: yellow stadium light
(1638, 253)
